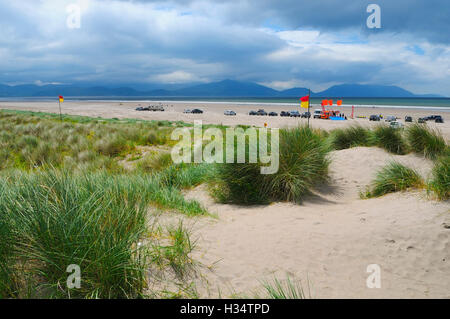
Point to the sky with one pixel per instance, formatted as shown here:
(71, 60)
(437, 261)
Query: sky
(280, 44)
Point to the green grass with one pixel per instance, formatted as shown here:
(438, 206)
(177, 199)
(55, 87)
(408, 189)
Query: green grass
(32, 140)
(65, 199)
(303, 165)
(390, 139)
(287, 289)
(426, 141)
(440, 181)
(394, 177)
(352, 136)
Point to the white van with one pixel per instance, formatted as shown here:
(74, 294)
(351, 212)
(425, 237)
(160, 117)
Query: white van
(317, 113)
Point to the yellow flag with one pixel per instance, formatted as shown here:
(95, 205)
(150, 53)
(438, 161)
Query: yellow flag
(304, 102)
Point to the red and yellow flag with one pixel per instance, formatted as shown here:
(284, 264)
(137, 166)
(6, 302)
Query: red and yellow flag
(304, 102)
(61, 99)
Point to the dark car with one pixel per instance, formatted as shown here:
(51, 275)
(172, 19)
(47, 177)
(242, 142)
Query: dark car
(408, 118)
(284, 113)
(306, 115)
(197, 111)
(273, 114)
(261, 112)
(252, 113)
(142, 108)
(294, 114)
(374, 118)
(438, 119)
(422, 120)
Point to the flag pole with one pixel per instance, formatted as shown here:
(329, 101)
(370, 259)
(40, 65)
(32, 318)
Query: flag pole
(60, 114)
(309, 104)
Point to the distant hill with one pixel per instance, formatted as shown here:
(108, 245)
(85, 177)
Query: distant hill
(226, 88)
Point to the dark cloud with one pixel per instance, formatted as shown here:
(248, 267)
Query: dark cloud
(122, 42)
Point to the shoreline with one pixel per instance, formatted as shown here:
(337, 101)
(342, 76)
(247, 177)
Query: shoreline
(214, 113)
(224, 102)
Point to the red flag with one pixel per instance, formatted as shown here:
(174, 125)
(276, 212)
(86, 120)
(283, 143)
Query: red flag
(324, 102)
(339, 102)
(304, 98)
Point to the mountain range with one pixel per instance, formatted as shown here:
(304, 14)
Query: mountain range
(226, 88)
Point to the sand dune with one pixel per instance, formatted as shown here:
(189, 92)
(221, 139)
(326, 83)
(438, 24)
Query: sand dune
(332, 238)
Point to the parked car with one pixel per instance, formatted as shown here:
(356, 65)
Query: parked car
(395, 124)
(438, 119)
(229, 112)
(390, 118)
(273, 114)
(187, 111)
(155, 108)
(284, 113)
(317, 114)
(306, 115)
(261, 112)
(197, 111)
(142, 108)
(294, 114)
(422, 120)
(374, 118)
(408, 118)
(252, 113)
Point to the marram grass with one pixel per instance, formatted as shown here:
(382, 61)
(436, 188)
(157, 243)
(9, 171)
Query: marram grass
(390, 139)
(440, 180)
(426, 141)
(303, 164)
(343, 138)
(392, 178)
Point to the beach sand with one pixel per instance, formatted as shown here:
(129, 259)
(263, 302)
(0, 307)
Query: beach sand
(214, 113)
(331, 238)
(329, 241)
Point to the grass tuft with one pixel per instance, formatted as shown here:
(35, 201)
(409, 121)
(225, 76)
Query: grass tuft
(303, 164)
(426, 141)
(393, 178)
(352, 136)
(390, 139)
(440, 181)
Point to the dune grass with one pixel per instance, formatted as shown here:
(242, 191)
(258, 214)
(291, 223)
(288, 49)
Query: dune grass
(352, 136)
(65, 199)
(303, 164)
(286, 289)
(390, 139)
(94, 220)
(426, 141)
(440, 181)
(392, 178)
(32, 140)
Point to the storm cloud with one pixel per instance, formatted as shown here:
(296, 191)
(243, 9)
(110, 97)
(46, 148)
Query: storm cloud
(281, 44)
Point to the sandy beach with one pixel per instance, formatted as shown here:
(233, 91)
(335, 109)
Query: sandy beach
(213, 113)
(328, 241)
